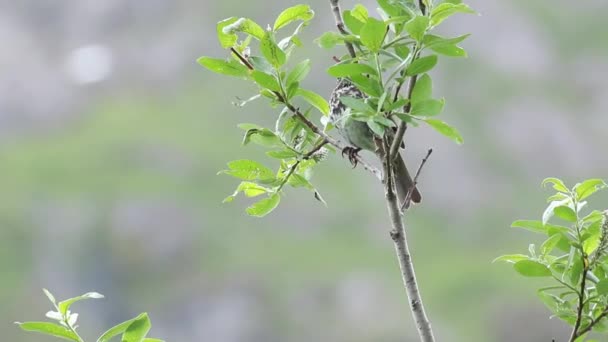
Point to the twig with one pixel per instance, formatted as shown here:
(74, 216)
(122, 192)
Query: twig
(410, 191)
(402, 125)
(592, 323)
(335, 8)
(581, 304)
(403, 254)
(293, 168)
(242, 59)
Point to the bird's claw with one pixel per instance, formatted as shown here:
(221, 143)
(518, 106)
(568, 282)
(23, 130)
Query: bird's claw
(353, 154)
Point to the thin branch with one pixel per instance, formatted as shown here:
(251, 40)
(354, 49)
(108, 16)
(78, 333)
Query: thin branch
(402, 125)
(335, 8)
(242, 59)
(293, 168)
(410, 191)
(581, 304)
(592, 323)
(403, 255)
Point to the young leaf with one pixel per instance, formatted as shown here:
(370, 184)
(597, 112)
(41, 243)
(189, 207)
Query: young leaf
(557, 184)
(360, 13)
(421, 65)
(248, 170)
(314, 99)
(548, 213)
(350, 69)
(49, 295)
(220, 66)
(283, 154)
(373, 33)
(511, 258)
(264, 206)
(423, 89)
(445, 129)
(298, 73)
(530, 268)
(358, 105)
(431, 41)
(51, 329)
(445, 10)
(138, 329)
(227, 40)
(565, 213)
(427, 107)
(550, 244)
(263, 137)
(329, 39)
(533, 226)
(417, 27)
(353, 24)
(588, 188)
(265, 80)
(117, 329)
(271, 51)
(298, 12)
(244, 25)
(377, 128)
(64, 306)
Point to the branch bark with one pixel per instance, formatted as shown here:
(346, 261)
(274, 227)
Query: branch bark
(399, 238)
(335, 8)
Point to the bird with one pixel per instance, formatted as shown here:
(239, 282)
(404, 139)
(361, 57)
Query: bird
(361, 137)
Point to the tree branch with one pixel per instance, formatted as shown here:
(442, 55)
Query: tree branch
(335, 8)
(402, 125)
(408, 198)
(592, 324)
(581, 303)
(403, 254)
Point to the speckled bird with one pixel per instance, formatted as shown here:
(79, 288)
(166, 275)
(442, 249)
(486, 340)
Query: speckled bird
(361, 137)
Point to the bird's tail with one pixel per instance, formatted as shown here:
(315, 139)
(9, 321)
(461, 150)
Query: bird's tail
(403, 182)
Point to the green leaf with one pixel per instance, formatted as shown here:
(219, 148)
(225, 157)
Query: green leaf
(138, 329)
(591, 243)
(227, 40)
(533, 226)
(350, 69)
(576, 270)
(511, 258)
(265, 80)
(550, 244)
(384, 121)
(356, 104)
(64, 306)
(565, 213)
(423, 89)
(298, 181)
(117, 329)
(152, 340)
(530, 268)
(220, 66)
(602, 287)
(248, 170)
(445, 10)
(314, 99)
(421, 65)
(250, 189)
(284, 154)
(548, 213)
(49, 295)
(244, 25)
(360, 13)
(329, 39)
(51, 329)
(390, 8)
(373, 33)
(377, 128)
(417, 27)
(298, 12)
(427, 107)
(264, 206)
(432, 41)
(445, 129)
(353, 24)
(263, 137)
(368, 85)
(271, 51)
(557, 184)
(298, 73)
(588, 188)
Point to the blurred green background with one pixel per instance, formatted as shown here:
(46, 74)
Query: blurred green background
(111, 136)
